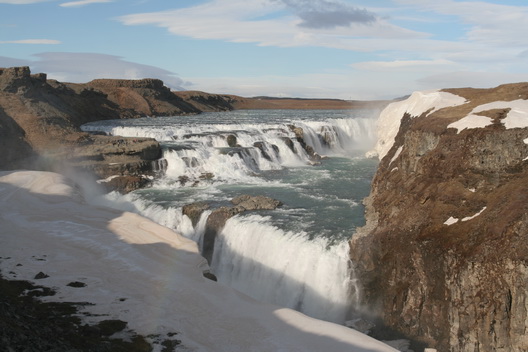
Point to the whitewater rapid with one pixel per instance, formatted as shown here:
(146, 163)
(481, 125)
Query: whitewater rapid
(295, 256)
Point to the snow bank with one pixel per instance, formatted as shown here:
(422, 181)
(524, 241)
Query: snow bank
(415, 105)
(143, 273)
(517, 117)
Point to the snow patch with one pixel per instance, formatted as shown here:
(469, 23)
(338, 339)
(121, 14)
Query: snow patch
(517, 117)
(396, 155)
(474, 216)
(471, 121)
(418, 103)
(453, 220)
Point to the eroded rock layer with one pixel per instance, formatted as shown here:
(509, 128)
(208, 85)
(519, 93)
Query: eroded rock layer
(443, 258)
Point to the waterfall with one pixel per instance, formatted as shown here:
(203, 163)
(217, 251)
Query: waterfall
(286, 268)
(295, 256)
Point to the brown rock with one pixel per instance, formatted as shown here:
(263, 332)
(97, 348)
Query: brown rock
(194, 211)
(217, 219)
(459, 287)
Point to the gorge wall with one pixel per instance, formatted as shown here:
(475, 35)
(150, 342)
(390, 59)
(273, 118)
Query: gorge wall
(40, 123)
(443, 258)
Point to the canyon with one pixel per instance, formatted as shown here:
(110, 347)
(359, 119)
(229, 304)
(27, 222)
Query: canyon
(442, 258)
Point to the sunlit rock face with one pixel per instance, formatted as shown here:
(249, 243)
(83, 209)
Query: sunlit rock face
(443, 258)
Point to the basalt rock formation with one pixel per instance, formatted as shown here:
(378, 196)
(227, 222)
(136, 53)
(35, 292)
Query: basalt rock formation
(443, 258)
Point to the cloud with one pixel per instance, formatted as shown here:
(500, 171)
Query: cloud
(327, 13)
(401, 64)
(84, 67)
(12, 62)
(21, 2)
(83, 3)
(494, 24)
(523, 54)
(32, 41)
(265, 23)
(344, 84)
(458, 79)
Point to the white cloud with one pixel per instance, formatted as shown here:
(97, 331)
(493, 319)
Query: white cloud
(493, 24)
(12, 62)
(32, 41)
(84, 67)
(339, 85)
(402, 64)
(257, 21)
(469, 78)
(83, 3)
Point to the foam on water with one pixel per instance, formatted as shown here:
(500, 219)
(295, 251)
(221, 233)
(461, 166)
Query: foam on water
(286, 268)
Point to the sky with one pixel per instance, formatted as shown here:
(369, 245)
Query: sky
(346, 49)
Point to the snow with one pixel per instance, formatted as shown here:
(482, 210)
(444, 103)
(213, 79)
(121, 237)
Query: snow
(453, 220)
(471, 121)
(474, 216)
(517, 117)
(417, 104)
(397, 154)
(143, 273)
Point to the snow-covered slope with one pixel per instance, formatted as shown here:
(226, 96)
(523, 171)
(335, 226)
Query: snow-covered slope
(517, 117)
(417, 104)
(143, 273)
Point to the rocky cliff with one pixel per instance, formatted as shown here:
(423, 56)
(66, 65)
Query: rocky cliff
(40, 120)
(443, 258)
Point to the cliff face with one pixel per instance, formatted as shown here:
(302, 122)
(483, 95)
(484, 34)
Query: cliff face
(443, 258)
(40, 120)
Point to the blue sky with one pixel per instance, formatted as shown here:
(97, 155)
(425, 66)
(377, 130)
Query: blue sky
(365, 49)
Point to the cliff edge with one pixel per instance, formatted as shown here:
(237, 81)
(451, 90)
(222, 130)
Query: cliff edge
(443, 257)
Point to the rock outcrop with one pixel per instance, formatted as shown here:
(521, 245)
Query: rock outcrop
(40, 123)
(443, 258)
(218, 217)
(143, 97)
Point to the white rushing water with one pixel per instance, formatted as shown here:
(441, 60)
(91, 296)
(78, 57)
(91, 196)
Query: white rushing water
(295, 256)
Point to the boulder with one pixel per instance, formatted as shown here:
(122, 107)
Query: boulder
(246, 202)
(232, 141)
(217, 219)
(265, 151)
(126, 184)
(315, 158)
(194, 211)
